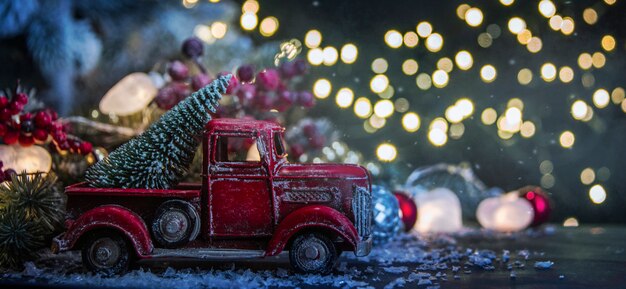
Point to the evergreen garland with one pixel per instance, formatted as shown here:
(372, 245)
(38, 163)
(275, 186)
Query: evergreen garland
(160, 157)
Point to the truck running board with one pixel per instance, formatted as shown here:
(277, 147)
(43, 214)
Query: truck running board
(207, 254)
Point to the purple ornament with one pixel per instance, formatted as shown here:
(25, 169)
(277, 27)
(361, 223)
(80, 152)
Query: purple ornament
(301, 66)
(245, 73)
(178, 70)
(306, 99)
(199, 81)
(288, 69)
(192, 47)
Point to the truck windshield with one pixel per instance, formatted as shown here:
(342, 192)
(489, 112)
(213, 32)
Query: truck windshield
(278, 144)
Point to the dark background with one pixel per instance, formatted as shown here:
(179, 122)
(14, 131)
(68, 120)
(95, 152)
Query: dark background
(508, 164)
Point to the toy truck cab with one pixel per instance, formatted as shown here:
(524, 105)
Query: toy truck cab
(250, 204)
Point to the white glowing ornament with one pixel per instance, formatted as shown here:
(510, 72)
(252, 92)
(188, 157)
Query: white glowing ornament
(507, 213)
(439, 210)
(130, 95)
(31, 159)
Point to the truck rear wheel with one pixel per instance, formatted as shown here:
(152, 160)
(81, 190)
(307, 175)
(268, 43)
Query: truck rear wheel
(176, 222)
(313, 253)
(107, 253)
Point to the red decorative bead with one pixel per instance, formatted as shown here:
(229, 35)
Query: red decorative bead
(26, 116)
(318, 142)
(26, 140)
(263, 100)
(288, 69)
(85, 148)
(15, 107)
(4, 101)
(178, 70)
(199, 81)
(233, 83)
(21, 98)
(268, 79)
(11, 136)
(408, 210)
(246, 92)
(42, 119)
(539, 201)
(309, 129)
(284, 100)
(306, 99)
(296, 150)
(5, 114)
(3, 130)
(40, 134)
(245, 73)
(8, 174)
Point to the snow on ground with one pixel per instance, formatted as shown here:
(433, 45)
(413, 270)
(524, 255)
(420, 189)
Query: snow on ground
(406, 261)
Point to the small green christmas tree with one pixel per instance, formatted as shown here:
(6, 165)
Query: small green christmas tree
(160, 156)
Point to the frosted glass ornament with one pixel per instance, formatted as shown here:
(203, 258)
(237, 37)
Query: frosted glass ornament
(30, 159)
(130, 95)
(507, 213)
(439, 210)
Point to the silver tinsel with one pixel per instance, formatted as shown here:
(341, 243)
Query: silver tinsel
(386, 215)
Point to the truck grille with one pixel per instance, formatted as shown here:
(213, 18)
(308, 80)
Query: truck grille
(362, 210)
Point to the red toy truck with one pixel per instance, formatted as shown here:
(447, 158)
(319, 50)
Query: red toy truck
(245, 207)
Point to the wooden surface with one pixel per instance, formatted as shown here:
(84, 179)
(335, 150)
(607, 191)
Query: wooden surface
(586, 257)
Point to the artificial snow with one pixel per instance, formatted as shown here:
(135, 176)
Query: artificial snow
(543, 265)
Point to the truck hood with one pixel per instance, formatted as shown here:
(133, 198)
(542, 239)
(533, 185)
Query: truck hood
(322, 171)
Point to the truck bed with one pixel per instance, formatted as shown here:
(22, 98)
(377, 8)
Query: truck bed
(183, 190)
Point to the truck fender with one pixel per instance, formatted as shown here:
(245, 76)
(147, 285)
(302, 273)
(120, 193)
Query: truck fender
(115, 217)
(311, 217)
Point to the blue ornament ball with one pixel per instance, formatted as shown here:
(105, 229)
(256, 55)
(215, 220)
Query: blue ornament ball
(386, 222)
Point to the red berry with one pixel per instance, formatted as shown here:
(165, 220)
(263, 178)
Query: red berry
(64, 145)
(5, 114)
(42, 119)
(268, 79)
(21, 98)
(233, 83)
(15, 107)
(178, 70)
(309, 130)
(318, 142)
(26, 116)
(288, 69)
(85, 148)
(284, 100)
(245, 73)
(53, 114)
(40, 134)
(26, 140)
(199, 81)
(170, 95)
(3, 130)
(11, 136)
(55, 128)
(296, 150)
(4, 101)
(306, 99)
(263, 100)
(246, 93)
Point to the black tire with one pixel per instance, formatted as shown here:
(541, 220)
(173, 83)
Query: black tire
(107, 253)
(313, 253)
(175, 223)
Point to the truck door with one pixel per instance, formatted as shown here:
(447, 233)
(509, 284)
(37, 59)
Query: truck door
(239, 194)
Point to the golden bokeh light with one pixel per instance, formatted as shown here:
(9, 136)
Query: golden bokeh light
(315, 56)
(610, 2)
(579, 109)
(434, 42)
(445, 64)
(489, 116)
(410, 67)
(567, 139)
(423, 81)
(474, 17)
(393, 38)
(437, 137)
(547, 8)
(313, 38)
(363, 107)
(547, 181)
(524, 36)
(379, 83)
(322, 88)
(534, 45)
(411, 122)
(507, 2)
(555, 22)
(617, 95)
(330, 55)
(219, 29)
(383, 108)
(344, 97)
(598, 60)
(377, 122)
(488, 73)
(515, 102)
(386, 152)
(608, 42)
(548, 72)
(484, 40)
(516, 25)
(464, 60)
(570, 222)
(601, 98)
(566, 74)
(587, 176)
(250, 6)
(440, 78)
(248, 21)
(453, 114)
(424, 29)
(349, 53)
(402, 105)
(590, 16)
(460, 11)
(268, 26)
(567, 27)
(379, 65)
(597, 194)
(585, 61)
(524, 76)
(387, 93)
(527, 129)
(411, 39)
(457, 130)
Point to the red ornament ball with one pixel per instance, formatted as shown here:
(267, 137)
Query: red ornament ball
(408, 210)
(268, 79)
(539, 201)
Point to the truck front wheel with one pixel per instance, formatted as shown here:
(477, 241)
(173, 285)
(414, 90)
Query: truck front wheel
(313, 253)
(107, 253)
